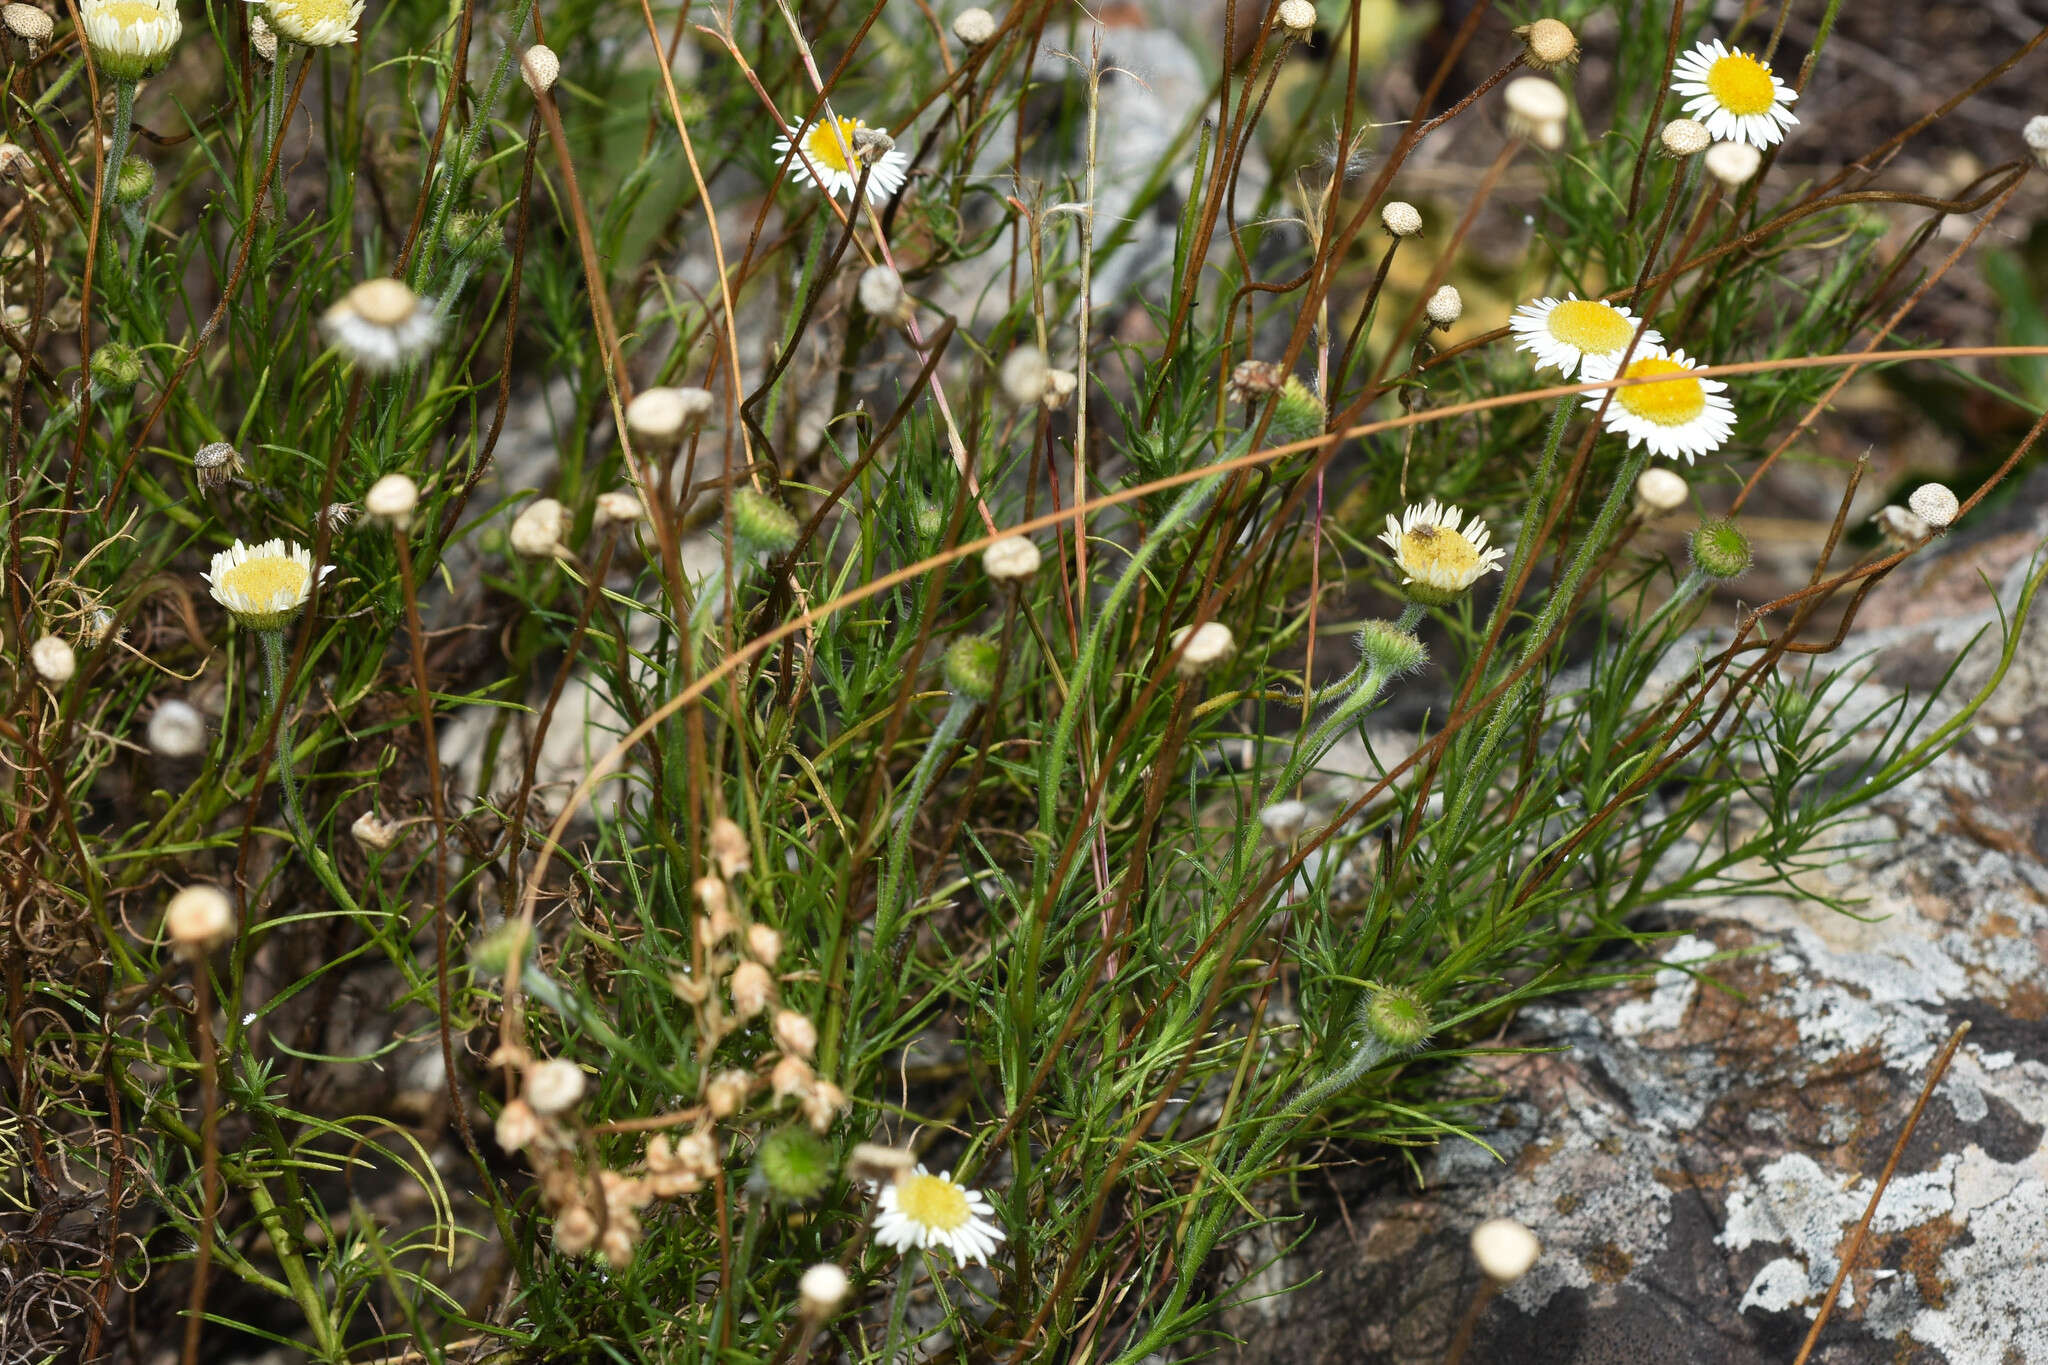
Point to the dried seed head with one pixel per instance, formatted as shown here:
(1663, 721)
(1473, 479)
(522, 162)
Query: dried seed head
(750, 984)
(261, 39)
(381, 325)
(1400, 218)
(537, 530)
(338, 516)
(874, 1163)
(822, 1105)
(881, 293)
(664, 416)
(728, 843)
(539, 67)
(796, 1034)
(2035, 135)
(1283, 820)
(1201, 647)
(373, 833)
(1444, 308)
(1536, 110)
(1504, 1249)
(1685, 137)
(823, 1287)
(216, 464)
(1733, 163)
(1253, 380)
(15, 160)
(27, 23)
(726, 1092)
(1934, 504)
(764, 943)
(871, 144)
(517, 1127)
(382, 302)
(1060, 386)
(391, 500)
(1023, 376)
(1901, 529)
(1298, 17)
(791, 1076)
(1659, 491)
(1010, 559)
(1547, 43)
(53, 660)
(176, 729)
(618, 508)
(974, 26)
(198, 920)
(554, 1087)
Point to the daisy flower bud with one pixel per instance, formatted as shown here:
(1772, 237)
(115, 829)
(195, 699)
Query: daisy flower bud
(1010, 559)
(263, 586)
(796, 1034)
(1934, 504)
(795, 1163)
(1201, 647)
(176, 729)
(1504, 1249)
(662, 417)
(1547, 43)
(315, 23)
(1299, 414)
(381, 324)
(116, 367)
(1719, 549)
(1396, 1016)
(1733, 163)
(134, 182)
(823, 1287)
(130, 39)
(749, 984)
(1536, 110)
(761, 525)
(537, 530)
(881, 293)
(1684, 137)
(1659, 491)
(1400, 218)
(974, 26)
(1901, 529)
(198, 920)
(540, 68)
(391, 500)
(1023, 376)
(2035, 135)
(373, 833)
(53, 660)
(1444, 308)
(518, 1126)
(1298, 17)
(970, 667)
(216, 465)
(618, 508)
(554, 1087)
(1390, 649)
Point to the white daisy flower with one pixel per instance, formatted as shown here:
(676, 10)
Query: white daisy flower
(1734, 94)
(315, 23)
(1440, 553)
(264, 586)
(1564, 332)
(381, 324)
(130, 39)
(1685, 415)
(923, 1210)
(831, 157)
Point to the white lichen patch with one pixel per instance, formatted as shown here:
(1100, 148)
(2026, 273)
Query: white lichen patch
(1671, 993)
(1997, 1280)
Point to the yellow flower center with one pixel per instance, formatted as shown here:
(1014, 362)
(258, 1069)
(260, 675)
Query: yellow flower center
(1429, 552)
(1742, 84)
(262, 580)
(1669, 403)
(129, 13)
(831, 151)
(933, 1202)
(311, 13)
(1590, 326)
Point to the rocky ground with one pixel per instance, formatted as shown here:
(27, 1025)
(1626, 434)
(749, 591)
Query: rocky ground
(1696, 1154)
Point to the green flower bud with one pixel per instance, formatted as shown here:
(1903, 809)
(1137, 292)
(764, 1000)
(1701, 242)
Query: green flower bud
(795, 1162)
(136, 181)
(1299, 414)
(1396, 1016)
(1720, 550)
(970, 667)
(930, 519)
(1390, 649)
(492, 953)
(116, 367)
(761, 525)
(471, 235)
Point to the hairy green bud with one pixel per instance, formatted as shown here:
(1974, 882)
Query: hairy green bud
(970, 667)
(1396, 1016)
(1299, 414)
(116, 367)
(761, 525)
(795, 1162)
(1720, 550)
(492, 953)
(1390, 649)
(136, 181)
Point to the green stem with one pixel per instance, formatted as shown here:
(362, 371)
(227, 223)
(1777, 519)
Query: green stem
(1369, 687)
(887, 910)
(287, 781)
(899, 1309)
(124, 119)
